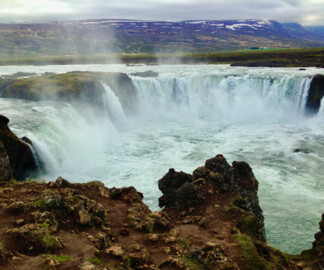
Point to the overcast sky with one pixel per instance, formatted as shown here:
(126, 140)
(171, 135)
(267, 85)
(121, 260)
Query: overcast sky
(306, 12)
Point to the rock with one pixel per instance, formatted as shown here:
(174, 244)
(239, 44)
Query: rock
(15, 152)
(217, 176)
(6, 173)
(20, 221)
(88, 266)
(16, 207)
(124, 232)
(153, 237)
(318, 245)
(146, 74)
(34, 239)
(298, 150)
(315, 95)
(4, 120)
(170, 184)
(26, 140)
(116, 251)
(61, 182)
(83, 217)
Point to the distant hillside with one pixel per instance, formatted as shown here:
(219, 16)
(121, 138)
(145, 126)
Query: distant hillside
(317, 30)
(132, 36)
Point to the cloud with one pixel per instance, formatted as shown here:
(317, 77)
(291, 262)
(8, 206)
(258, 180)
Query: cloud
(306, 12)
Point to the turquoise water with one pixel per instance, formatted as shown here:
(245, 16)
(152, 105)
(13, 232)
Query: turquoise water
(185, 116)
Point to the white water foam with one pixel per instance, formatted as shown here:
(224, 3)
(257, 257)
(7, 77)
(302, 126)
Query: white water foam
(185, 116)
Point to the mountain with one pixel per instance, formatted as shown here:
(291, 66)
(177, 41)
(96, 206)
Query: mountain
(133, 36)
(317, 30)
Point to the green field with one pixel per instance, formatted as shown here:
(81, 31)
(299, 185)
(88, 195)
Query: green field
(274, 58)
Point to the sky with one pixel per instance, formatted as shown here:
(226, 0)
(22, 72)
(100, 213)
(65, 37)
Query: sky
(305, 12)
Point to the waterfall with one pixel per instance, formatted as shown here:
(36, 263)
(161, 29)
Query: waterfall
(181, 118)
(234, 97)
(112, 105)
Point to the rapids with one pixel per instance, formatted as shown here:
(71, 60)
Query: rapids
(185, 116)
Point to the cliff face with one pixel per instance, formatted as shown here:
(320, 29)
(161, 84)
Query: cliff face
(315, 95)
(16, 157)
(181, 190)
(80, 87)
(318, 245)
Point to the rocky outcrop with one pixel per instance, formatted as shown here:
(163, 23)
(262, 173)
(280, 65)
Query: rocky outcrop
(16, 156)
(182, 190)
(211, 220)
(315, 95)
(318, 245)
(146, 74)
(73, 87)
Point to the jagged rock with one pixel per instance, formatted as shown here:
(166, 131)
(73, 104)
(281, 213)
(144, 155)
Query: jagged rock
(5, 168)
(315, 95)
(217, 176)
(83, 217)
(212, 221)
(170, 185)
(61, 182)
(15, 152)
(89, 266)
(318, 244)
(298, 150)
(34, 239)
(146, 74)
(115, 251)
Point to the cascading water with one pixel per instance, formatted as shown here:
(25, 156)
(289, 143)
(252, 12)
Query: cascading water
(222, 97)
(185, 116)
(112, 104)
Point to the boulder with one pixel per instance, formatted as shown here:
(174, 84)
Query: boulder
(16, 156)
(183, 191)
(315, 95)
(318, 244)
(146, 74)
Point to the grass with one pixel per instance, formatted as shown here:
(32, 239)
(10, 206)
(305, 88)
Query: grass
(288, 57)
(60, 258)
(95, 260)
(252, 260)
(258, 256)
(192, 263)
(40, 204)
(183, 242)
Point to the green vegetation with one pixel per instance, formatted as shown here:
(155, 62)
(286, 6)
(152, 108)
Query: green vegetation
(95, 260)
(249, 225)
(183, 242)
(258, 256)
(60, 258)
(127, 261)
(274, 57)
(192, 263)
(40, 204)
(48, 242)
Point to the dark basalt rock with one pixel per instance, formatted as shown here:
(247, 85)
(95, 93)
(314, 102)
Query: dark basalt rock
(183, 190)
(318, 244)
(146, 74)
(16, 157)
(315, 95)
(298, 150)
